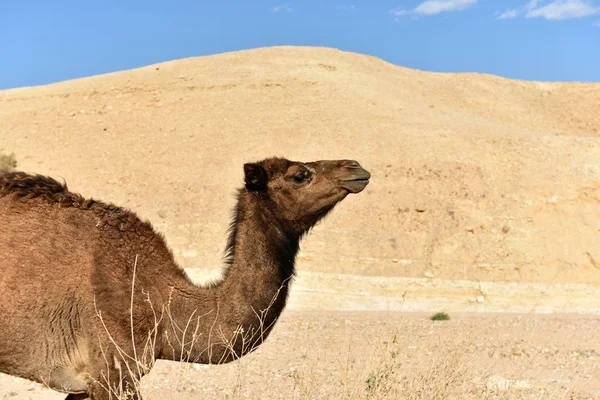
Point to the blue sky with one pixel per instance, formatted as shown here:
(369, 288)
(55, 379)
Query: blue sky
(45, 41)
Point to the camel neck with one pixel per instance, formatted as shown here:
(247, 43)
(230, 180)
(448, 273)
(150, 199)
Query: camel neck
(260, 244)
(242, 309)
(261, 255)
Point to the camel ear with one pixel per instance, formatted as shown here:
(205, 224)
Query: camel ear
(255, 176)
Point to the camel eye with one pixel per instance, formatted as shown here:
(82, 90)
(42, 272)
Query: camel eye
(300, 177)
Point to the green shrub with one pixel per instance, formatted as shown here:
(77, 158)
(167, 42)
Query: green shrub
(441, 316)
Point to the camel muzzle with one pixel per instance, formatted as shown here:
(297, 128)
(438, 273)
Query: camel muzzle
(358, 178)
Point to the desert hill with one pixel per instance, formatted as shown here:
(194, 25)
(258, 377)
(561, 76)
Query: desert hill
(477, 180)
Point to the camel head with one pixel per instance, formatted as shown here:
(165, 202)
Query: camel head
(304, 192)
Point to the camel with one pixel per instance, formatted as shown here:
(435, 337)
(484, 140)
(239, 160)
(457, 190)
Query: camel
(91, 296)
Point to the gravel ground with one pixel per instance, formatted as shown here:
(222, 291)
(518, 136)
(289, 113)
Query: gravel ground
(336, 355)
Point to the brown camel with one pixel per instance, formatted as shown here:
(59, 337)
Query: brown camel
(90, 295)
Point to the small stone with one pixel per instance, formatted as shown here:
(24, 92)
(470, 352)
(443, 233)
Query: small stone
(428, 274)
(480, 299)
(497, 383)
(552, 199)
(190, 253)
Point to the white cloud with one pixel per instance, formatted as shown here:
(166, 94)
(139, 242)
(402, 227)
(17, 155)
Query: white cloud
(508, 14)
(597, 24)
(515, 12)
(532, 4)
(555, 10)
(282, 8)
(399, 13)
(434, 7)
(564, 9)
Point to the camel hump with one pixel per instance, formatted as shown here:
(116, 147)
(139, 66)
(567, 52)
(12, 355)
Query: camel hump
(21, 184)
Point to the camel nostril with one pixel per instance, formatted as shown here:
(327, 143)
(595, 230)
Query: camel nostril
(352, 164)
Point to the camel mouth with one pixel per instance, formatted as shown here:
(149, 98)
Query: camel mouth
(357, 183)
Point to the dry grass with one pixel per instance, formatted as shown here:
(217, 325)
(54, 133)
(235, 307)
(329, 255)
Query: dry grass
(133, 365)
(383, 361)
(336, 355)
(8, 162)
(432, 358)
(396, 356)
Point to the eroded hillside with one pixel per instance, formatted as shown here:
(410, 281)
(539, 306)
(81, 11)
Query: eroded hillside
(475, 177)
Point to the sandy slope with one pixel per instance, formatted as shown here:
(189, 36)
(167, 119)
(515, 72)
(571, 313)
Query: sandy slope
(475, 177)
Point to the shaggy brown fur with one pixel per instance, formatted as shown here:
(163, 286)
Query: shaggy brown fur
(90, 295)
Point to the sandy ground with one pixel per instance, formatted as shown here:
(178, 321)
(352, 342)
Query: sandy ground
(337, 355)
